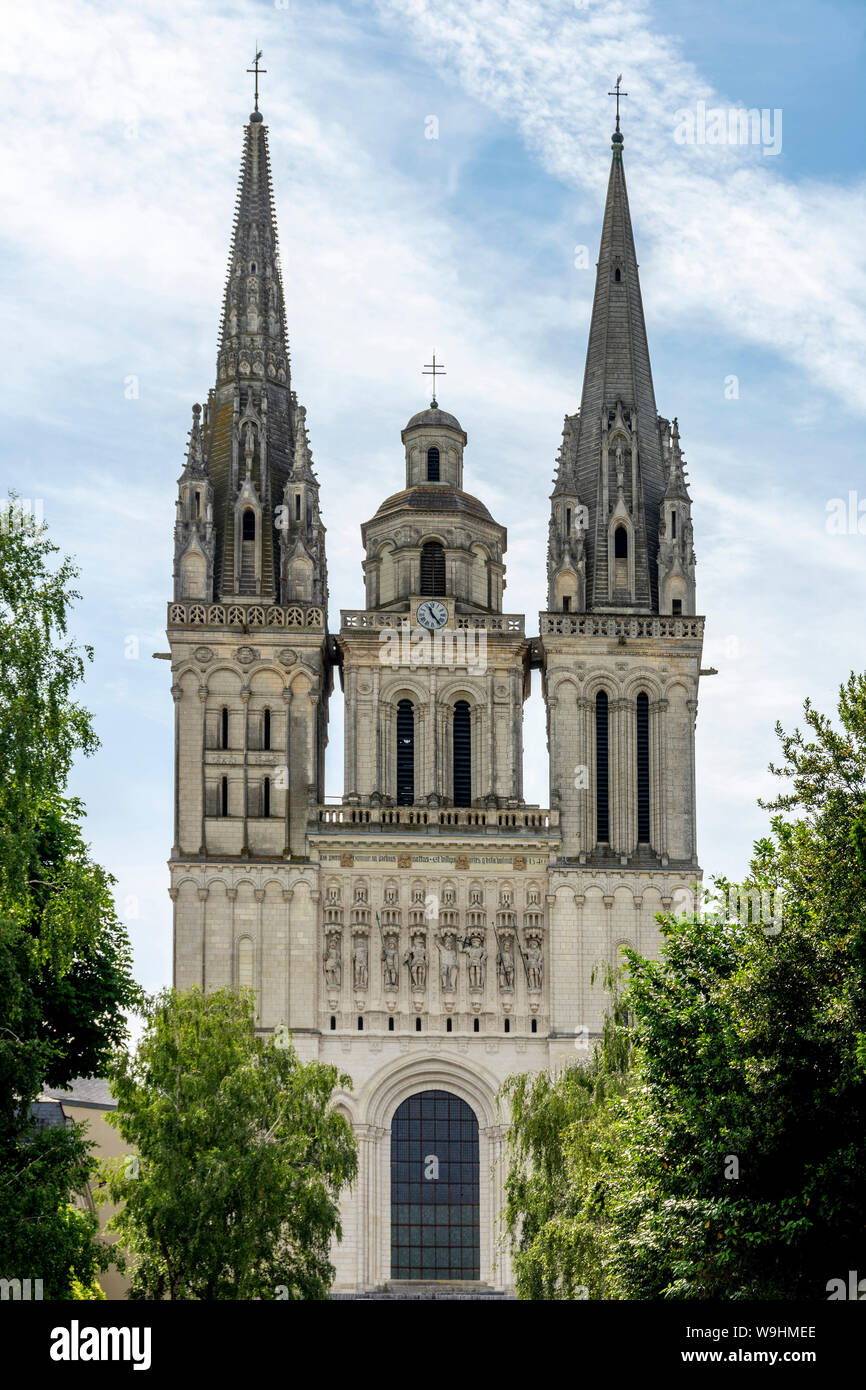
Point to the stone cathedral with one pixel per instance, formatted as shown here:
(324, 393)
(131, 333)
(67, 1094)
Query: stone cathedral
(431, 933)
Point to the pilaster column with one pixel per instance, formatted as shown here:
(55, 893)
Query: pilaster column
(628, 776)
(286, 774)
(245, 701)
(477, 779)
(177, 695)
(658, 777)
(202, 897)
(259, 895)
(202, 695)
(232, 895)
(350, 780)
(690, 757)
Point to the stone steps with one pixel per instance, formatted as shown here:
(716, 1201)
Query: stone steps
(416, 1289)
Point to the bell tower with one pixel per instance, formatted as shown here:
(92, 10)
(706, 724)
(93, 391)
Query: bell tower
(621, 642)
(247, 629)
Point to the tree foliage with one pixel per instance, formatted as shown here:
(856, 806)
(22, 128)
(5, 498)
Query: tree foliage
(557, 1140)
(65, 974)
(241, 1156)
(733, 1163)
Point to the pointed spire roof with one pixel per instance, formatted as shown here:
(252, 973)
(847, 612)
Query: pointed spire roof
(617, 357)
(253, 325)
(617, 388)
(302, 465)
(676, 482)
(196, 463)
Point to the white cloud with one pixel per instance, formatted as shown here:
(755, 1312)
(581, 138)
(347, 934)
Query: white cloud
(723, 235)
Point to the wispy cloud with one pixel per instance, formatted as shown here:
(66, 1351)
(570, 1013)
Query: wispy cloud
(744, 250)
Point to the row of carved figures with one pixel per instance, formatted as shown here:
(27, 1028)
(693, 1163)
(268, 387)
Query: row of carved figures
(448, 944)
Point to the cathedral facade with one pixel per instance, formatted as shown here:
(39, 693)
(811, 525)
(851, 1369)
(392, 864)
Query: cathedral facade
(431, 933)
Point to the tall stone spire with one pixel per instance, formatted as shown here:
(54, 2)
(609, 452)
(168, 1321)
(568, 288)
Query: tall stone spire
(252, 424)
(253, 328)
(611, 465)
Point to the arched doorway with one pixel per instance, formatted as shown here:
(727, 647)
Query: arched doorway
(435, 1229)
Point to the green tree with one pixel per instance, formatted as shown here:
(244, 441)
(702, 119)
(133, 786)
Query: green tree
(732, 1163)
(241, 1156)
(65, 977)
(749, 1048)
(557, 1145)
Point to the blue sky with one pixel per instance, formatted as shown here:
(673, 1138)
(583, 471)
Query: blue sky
(119, 152)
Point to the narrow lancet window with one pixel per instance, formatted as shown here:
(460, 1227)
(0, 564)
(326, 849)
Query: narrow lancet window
(462, 754)
(602, 800)
(643, 780)
(405, 753)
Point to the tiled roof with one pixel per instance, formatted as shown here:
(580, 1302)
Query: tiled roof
(84, 1090)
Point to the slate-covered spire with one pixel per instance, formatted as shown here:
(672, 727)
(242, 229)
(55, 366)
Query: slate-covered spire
(611, 460)
(253, 328)
(253, 424)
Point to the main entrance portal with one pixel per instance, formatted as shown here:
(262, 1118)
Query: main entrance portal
(434, 1189)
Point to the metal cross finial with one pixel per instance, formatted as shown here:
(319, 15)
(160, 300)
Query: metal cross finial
(434, 369)
(256, 69)
(617, 93)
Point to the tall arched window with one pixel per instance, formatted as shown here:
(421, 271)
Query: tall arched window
(462, 754)
(433, 569)
(266, 797)
(405, 753)
(643, 781)
(602, 799)
(224, 728)
(266, 729)
(246, 963)
(224, 796)
(620, 558)
(433, 465)
(249, 525)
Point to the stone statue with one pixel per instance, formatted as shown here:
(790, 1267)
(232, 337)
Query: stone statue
(391, 964)
(448, 960)
(416, 959)
(333, 963)
(477, 953)
(506, 964)
(360, 963)
(534, 964)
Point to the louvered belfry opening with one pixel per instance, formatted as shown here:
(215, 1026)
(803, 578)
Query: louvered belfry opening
(405, 753)
(462, 754)
(247, 583)
(433, 569)
(602, 796)
(433, 465)
(643, 780)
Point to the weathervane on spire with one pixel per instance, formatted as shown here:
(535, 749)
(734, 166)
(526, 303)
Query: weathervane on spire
(434, 369)
(617, 93)
(256, 69)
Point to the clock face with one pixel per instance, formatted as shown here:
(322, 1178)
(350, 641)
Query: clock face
(432, 614)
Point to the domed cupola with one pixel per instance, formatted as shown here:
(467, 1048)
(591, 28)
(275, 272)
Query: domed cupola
(432, 539)
(434, 443)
